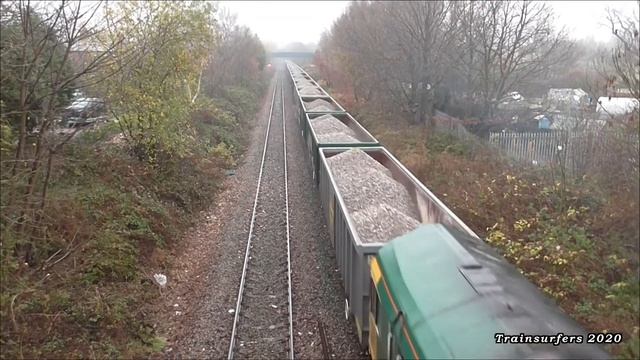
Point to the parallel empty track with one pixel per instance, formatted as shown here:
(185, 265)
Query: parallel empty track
(262, 326)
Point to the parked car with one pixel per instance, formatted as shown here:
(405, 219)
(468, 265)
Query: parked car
(514, 95)
(84, 111)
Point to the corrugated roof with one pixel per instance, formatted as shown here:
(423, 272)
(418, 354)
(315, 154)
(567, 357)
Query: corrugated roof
(615, 106)
(566, 96)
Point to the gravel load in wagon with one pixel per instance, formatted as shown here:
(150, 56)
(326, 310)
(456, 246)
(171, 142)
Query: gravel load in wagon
(303, 84)
(336, 138)
(381, 223)
(347, 160)
(310, 90)
(323, 108)
(319, 105)
(327, 124)
(361, 187)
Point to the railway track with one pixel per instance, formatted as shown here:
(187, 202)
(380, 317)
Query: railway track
(263, 325)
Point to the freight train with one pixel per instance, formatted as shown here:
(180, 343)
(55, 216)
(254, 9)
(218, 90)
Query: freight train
(419, 283)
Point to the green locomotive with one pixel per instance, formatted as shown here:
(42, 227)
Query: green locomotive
(437, 293)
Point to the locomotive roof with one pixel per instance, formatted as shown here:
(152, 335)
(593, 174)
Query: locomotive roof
(456, 292)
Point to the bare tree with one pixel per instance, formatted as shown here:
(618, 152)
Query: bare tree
(414, 54)
(504, 44)
(422, 34)
(597, 75)
(625, 57)
(238, 58)
(37, 45)
(396, 51)
(356, 47)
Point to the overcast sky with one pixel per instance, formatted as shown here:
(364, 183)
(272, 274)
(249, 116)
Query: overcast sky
(284, 22)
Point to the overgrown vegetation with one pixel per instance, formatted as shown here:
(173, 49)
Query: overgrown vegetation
(111, 221)
(114, 207)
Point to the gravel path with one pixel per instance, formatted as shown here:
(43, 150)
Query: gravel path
(203, 282)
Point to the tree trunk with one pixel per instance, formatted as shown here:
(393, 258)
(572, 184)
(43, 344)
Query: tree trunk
(22, 130)
(45, 185)
(420, 106)
(428, 107)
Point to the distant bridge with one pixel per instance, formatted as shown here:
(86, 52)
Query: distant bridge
(292, 55)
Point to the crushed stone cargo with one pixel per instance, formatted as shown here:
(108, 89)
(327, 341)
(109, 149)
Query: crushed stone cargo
(340, 163)
(381, 223)
(326, 124)
(337, 138)
(318, 105)
(361, 187)
(304, 83)
(323, 108)
(310, 90)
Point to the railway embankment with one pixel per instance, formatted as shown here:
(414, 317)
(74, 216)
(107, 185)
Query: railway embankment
(113, 222)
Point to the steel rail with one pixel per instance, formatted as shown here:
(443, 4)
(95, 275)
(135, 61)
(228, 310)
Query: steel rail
(253, 218)
(286, 197)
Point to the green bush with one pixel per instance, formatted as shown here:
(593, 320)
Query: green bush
(446, 143)
(111, 257)
(242, 102)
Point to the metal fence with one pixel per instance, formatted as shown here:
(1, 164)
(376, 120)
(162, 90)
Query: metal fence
(577, 151)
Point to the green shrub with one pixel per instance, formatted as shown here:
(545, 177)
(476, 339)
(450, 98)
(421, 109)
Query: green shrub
(240, 101)
(111, 257)
(446, 143)
(225, 153)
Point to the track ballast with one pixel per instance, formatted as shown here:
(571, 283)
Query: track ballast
(262, 326)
